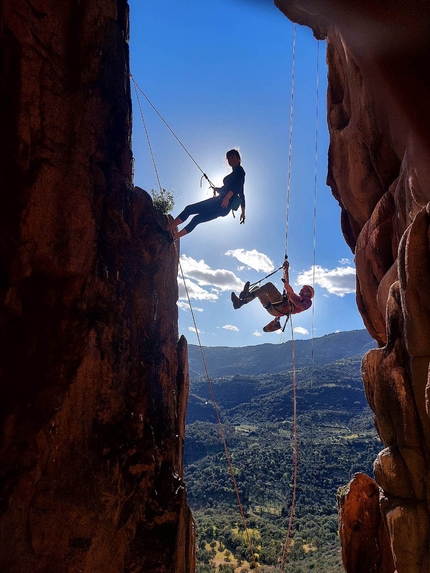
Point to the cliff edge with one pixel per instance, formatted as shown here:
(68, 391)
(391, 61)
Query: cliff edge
(93, 379)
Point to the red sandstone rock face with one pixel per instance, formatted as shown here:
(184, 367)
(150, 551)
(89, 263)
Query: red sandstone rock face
(94, 382)
(365, 543)
(379, 171)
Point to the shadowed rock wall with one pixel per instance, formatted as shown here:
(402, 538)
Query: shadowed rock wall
(379, 171)
(93, 380)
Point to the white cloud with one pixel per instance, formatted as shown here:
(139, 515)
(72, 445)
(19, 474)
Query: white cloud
(300, 330)
(183, 305)
(195, 291)
(345, 261)
(339, 281)
(256, 333)
(253, 259)
(192, 329)
(203, 275)
(231, 327)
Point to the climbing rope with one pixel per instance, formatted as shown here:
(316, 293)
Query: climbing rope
(290, 143)
(294, 378)
(137, 87)
(315, 181)
(295, 454)
(147, 135)
(312, 417)
(220, 426)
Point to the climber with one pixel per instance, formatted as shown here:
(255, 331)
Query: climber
(225, 198)
(274, 302)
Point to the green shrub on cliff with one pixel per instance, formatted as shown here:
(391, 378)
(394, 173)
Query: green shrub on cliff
(163, 200)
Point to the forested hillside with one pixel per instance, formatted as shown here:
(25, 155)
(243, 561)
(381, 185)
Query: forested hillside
(336, 438)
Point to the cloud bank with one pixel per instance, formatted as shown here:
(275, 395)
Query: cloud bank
(199, 275)
(339, 281)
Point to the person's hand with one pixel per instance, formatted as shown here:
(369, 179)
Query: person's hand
(242, 218)
(225, 201)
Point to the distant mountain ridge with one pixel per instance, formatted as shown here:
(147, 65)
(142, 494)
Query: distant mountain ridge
(276, 358)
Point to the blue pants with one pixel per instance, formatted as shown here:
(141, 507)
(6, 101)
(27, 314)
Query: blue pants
(206, 210)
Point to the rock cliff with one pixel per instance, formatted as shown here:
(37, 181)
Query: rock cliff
(379, 171)
(93, 380)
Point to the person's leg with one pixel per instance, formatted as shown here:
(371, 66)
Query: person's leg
(206, 210)
(267, 294)
(173, 224)
(183, 215)
(179, 234)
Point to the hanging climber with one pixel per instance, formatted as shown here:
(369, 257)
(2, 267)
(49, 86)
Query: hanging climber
(225, 198)
(274, 302)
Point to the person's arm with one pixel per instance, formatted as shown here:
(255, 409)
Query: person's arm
(300, 303)
(285, 272)
(242, 215)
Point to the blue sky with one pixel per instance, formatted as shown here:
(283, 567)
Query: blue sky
(219, 73)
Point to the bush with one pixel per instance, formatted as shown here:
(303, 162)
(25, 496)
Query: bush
(163, 200)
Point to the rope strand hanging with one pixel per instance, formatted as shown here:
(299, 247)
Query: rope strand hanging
(221, 430)
(147, 136)
(294, 382)
(290, 143)
(312, 416)
(295, 454)
(137, 87)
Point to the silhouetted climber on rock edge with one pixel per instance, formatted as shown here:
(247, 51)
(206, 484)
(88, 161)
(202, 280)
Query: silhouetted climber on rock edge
(274, 302)
(226, 198)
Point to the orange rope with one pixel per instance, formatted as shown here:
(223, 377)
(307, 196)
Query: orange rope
(220, 427)
(294, 381)
(295, 454)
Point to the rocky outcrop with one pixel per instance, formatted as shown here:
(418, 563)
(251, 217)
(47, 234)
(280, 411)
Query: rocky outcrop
(93, 380)
(379, 171)
(365, 543)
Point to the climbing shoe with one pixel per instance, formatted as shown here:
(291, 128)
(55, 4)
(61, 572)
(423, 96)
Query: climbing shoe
(273, 325)
(237, 302)
(244, 294)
